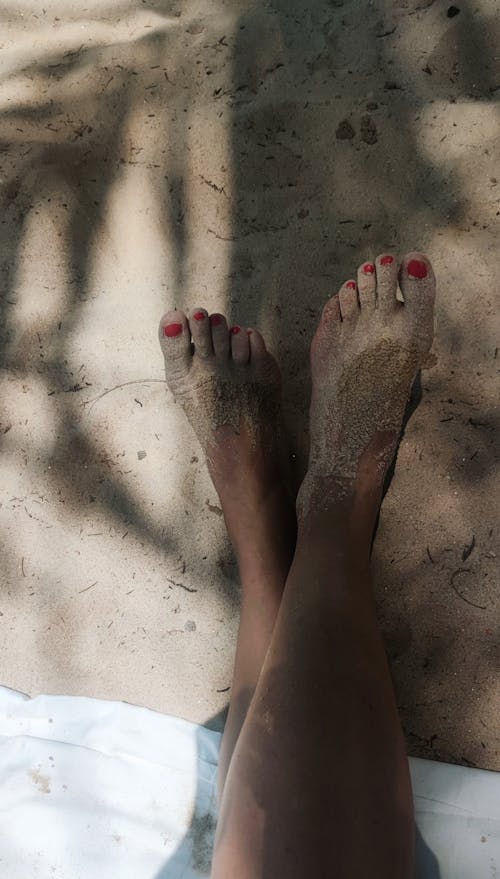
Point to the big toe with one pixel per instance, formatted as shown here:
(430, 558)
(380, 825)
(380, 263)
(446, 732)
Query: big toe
(418, 286)
(175, 341)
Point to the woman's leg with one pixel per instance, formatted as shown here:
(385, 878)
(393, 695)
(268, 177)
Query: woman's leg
(319, 782)
(264, 551)
(230, 388)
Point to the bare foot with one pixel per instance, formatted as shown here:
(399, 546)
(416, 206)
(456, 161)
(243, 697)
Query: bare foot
(365, 356)
(230, 388)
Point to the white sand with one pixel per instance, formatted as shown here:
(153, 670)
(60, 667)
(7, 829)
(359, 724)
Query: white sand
(241, 156)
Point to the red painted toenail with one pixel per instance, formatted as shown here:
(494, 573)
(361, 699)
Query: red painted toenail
(172, 330)
(386, 260)
(235, 330)
(351, 285)
(249, 332)
(417, 268)
(215, 320)
(199, 315)
(368, 268)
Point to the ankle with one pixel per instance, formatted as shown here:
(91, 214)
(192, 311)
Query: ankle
(334, 554)
(249, 504)
(344, 511)
(262, 529)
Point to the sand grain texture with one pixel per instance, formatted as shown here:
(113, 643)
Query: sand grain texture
(244, 156)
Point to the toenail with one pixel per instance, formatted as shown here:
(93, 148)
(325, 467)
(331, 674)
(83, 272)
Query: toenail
(215, 320)
(368, 268)
(417, 269)
(351, 285)
(386, 260)
(235, 330)
(249, 332)
(172, 330)
(199, 315)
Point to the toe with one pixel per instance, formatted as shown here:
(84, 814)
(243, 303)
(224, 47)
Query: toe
(175, 341)
(331, 311)
(367, 285)
(387, 282)
(348, 298)
(418, 286)
(258, 350)
(220, 335)
(240, 345)
(327, 331)
(417, 267)
(199, 325)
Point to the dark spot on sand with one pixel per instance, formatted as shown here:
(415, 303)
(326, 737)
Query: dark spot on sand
(214, 508)
(368, 130)
(345, 131)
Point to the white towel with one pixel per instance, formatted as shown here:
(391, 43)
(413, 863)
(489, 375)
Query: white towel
(90, 788)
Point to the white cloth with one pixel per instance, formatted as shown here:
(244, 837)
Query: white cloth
(90, 788)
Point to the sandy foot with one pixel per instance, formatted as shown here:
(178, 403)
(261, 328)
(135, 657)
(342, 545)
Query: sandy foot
(229, 386)
(365, 355)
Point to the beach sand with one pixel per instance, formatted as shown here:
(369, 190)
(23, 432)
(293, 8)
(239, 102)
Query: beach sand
(245, 157)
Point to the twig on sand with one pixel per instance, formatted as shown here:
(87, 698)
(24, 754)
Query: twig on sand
(88, 587)
(175, 583)
(455, 589)
(468, 549)
(139, 381)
